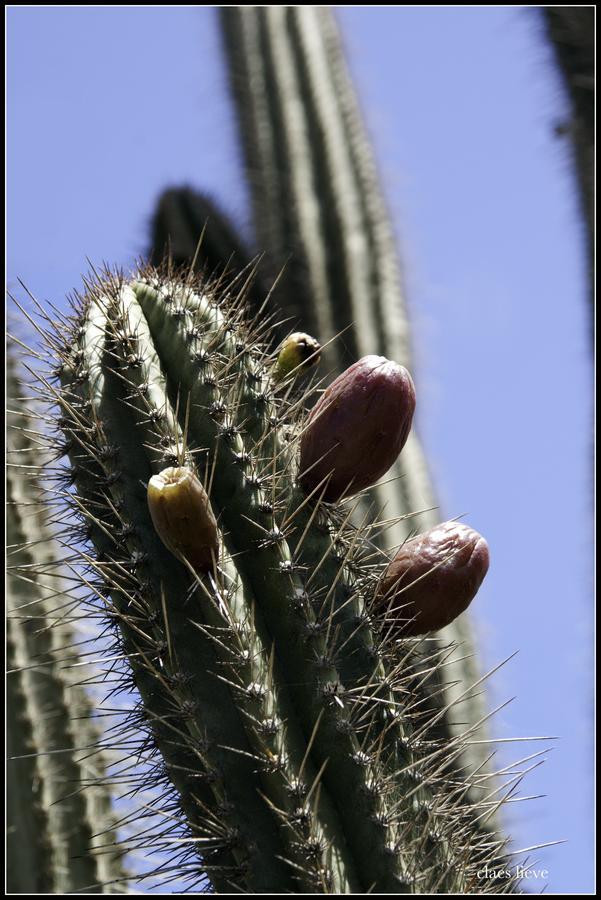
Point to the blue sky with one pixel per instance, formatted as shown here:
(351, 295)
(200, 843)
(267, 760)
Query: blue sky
(107, 106)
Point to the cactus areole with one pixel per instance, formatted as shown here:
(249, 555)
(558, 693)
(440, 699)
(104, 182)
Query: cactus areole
(357, 429)
(432, 579)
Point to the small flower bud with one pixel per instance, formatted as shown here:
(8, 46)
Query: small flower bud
(432, 579)
(182, 516)
(357, 429)
(298, 353)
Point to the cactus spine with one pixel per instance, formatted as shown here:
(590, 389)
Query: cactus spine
(60, 826)
(292, 730)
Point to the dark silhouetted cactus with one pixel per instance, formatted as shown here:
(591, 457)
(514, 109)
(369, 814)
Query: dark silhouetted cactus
(189, 228)
(571, 31)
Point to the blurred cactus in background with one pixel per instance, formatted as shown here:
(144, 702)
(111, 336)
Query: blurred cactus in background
(60, 829)
(571, 32)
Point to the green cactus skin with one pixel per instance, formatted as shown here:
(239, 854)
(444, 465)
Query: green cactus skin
(60, 825)
(320, 214)
(294, 733)
(226, 742)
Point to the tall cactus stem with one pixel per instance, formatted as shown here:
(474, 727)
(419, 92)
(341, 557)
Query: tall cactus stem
(304, 757)
(69, 830)
(319, 211)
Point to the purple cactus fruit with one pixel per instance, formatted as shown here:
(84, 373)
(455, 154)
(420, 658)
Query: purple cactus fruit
(432, 579)
(357, 429)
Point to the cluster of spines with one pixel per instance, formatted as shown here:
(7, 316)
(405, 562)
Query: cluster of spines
(218, 408)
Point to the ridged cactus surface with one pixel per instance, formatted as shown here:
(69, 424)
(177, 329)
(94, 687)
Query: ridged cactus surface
(291, 724)
(60, 826)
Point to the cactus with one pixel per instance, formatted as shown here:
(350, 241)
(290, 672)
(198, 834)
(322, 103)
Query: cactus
(180, 219)
(189, 228)
(571, 31)
(28, 854)
(292, 728)
(60, 824)
(322, 223)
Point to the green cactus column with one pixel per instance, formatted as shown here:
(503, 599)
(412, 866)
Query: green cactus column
(60, 824)
(292, 729)
(319, 214)
(28, 853)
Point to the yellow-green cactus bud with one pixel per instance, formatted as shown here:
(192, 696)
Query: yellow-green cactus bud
(298, 353)
(183, 518)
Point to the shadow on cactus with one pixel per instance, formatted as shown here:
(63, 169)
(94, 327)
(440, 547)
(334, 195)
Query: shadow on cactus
(223, 543)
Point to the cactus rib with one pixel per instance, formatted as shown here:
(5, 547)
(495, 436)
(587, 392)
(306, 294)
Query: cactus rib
(74, 832)
(141, 397)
